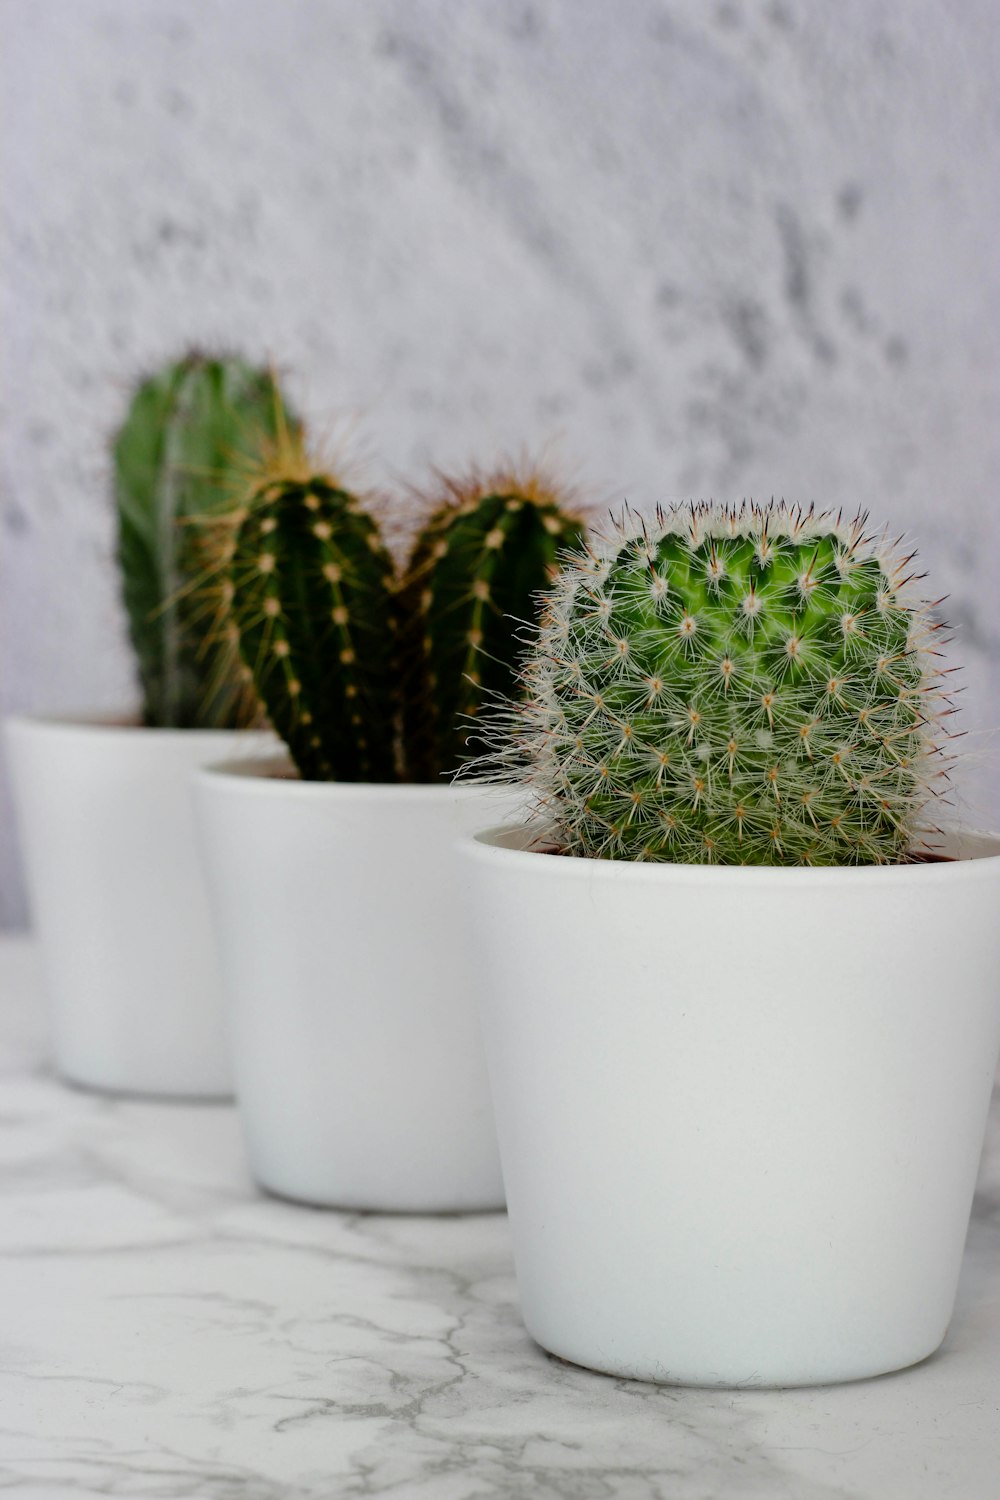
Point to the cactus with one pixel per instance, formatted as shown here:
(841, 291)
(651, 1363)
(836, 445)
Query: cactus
(181, 456)
(308, 593)
(744, 686)
(488, 548)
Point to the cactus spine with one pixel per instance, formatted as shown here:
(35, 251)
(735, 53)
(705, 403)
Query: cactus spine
(308, 590)
(746, 686)
(487, 550)
(180, 456)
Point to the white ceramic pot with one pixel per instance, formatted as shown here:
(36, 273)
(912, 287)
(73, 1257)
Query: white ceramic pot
(740, 1110)
(119, 902)
(356, 1043)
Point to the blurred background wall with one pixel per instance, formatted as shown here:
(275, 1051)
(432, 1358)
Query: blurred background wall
(699, 249)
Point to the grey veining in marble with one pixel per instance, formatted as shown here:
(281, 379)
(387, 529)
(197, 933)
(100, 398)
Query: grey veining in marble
(167, 1332)
(696, 246)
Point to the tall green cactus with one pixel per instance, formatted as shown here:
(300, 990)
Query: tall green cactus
(489, 547)
(181, 456)
(309, 592)
(367, 678)
(744, 686)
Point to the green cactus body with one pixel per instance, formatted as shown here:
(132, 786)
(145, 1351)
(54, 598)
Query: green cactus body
(310, 600)
(749, 686)
(471, 585)
(182, 455)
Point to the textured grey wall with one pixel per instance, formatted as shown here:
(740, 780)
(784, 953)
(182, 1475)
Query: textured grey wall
(702, 248)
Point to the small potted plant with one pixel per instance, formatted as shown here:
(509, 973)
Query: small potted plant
(741, 1003)
(338, 898)
(104, 805)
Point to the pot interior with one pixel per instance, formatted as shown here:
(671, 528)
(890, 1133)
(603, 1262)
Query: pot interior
(957, 846)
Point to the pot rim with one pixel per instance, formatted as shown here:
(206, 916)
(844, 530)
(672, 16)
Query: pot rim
(503, 845)
(254, 776)
(116, 726)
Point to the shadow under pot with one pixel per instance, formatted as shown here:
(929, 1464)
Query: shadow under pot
(740, 1110)
(349, 977)
(118, 898)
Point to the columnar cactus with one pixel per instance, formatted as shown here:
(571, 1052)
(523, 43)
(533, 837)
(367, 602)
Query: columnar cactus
(489, 547)
(308, 594)
(744, 686)
(179, 457)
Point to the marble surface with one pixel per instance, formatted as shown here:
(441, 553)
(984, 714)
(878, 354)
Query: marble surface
(691, 247)
(168, 1332)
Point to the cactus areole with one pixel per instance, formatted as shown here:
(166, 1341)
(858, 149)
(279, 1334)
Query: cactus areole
(751, 685)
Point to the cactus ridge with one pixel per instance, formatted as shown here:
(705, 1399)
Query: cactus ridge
(308, 596)
(488, 548)
(741, 685)
(182, 455)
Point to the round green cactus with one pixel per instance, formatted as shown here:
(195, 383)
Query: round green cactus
(744, 686)
(487, 551)
(182, 456)
(307, 590)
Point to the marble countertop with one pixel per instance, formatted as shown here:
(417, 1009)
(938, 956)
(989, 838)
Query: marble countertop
(167, 1331)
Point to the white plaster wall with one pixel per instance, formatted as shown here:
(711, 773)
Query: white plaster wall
(699, 248)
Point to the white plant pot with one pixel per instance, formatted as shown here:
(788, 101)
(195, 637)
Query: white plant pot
(119, 902)
(740, 1110)
(356, 1042)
